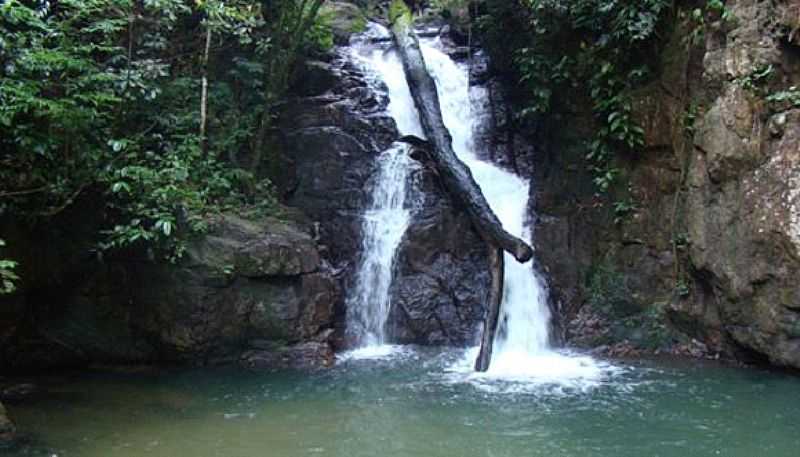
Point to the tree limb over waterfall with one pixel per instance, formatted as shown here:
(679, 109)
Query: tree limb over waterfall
(455, 175)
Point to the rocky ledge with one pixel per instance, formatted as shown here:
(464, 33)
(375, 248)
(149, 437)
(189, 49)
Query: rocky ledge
(248, 282)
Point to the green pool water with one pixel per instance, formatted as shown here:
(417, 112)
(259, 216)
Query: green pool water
(414, 405)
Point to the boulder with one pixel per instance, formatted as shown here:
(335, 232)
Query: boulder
(345, 19)
(442, 274)
(246, 279)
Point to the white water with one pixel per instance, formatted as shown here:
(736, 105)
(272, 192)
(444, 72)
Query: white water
(386, 220)
(522, 351)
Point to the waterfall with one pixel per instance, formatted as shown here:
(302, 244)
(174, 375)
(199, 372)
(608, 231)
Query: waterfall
(521, 343)
(383, 227)
(386, 219)
(525, 316)
(521, 350)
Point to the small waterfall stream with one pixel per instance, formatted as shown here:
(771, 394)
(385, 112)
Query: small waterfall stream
(386, 219)
(383, 227)
(524, 315)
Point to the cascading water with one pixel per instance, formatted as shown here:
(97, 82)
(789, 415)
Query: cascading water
(524, 314)
(387, 218)
(384, 224)
(521, 346)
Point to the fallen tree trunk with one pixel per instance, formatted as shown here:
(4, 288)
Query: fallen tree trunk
(493, 314)
(455, 175)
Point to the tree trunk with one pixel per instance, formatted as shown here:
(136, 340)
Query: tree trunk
(204, 94)
(456, 176)
(496, 266)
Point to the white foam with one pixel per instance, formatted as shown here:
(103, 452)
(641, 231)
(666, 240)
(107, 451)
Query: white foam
(520, 371)
(376, 352)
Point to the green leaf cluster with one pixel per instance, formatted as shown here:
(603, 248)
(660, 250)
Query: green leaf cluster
(558, 47)
(790, 97)
(8, 278)
(102, 99)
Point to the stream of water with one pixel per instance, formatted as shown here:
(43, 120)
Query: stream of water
(522, 350)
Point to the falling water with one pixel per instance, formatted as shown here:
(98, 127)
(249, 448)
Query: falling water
(521, 343)
(521, 346)
(383, 227)
(387, 217)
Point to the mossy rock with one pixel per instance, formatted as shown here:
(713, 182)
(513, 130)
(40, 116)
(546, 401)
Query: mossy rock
(345, 19)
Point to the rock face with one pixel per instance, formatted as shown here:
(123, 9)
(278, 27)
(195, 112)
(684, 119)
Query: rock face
(246, 282)
(743, 202)
(442, 273)
(334, 135)
(711, 247)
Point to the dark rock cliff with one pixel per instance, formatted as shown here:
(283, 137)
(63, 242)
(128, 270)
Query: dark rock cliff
(333, 133)
(707, 259)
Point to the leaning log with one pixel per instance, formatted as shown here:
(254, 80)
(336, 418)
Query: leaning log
(493, 315)
(455, 175)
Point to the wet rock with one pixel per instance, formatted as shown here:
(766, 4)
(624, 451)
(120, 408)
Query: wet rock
(442, 276)
(300, 356)
(316, 78)
(335, 141)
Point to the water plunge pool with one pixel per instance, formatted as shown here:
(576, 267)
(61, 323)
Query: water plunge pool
(415, 402)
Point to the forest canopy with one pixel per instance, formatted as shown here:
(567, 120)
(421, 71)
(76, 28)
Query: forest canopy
(156, 108)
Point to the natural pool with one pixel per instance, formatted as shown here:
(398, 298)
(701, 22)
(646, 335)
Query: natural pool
(415, 404)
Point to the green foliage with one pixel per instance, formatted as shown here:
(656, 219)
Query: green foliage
(682, 289)
(557, 46)
(103, 97)
(455, 11)
(700, 17)
(8, 278)
(398, 10)
(622, 209)
(756, 79)
(790, 97)
(320, 35)
(690, 118)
